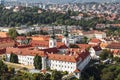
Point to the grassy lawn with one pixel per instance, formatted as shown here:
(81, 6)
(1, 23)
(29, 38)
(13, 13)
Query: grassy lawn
(17, 66)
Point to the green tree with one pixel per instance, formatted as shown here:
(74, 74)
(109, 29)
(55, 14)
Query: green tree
(108, 76)
(38, 76)
(117, 59)
(118, 77)
(105, 54)
(13, 33)
(3, 67)
(47, 76)
(13, 58)
(84, 40)
(37, 62)
(56, 75)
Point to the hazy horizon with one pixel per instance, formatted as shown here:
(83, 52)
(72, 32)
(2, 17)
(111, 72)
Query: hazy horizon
(64, 1)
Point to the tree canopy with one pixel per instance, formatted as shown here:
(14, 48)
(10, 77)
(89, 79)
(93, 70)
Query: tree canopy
(105, 54)
(38, 62)
(13, 33)
(13, 58)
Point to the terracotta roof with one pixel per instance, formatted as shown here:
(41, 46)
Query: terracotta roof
(50, 50)
(77, 71)
(61, 57)
(6, 42)
(2, 51)
(40, 37)
(4, 34)
(97, 48)
(94, 40)
(114, 45)
(93, 32)
(117, 52)
(20, 38)
(84, 46)
(25, 51)
(43, 71)
(103, 45)
(72, 55)
(61, 45)
(39, 43)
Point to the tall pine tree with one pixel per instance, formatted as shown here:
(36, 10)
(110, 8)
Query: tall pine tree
(13, 58)
(37, 62)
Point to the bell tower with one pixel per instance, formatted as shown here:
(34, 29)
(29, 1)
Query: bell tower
(52, 40)
(65, 38)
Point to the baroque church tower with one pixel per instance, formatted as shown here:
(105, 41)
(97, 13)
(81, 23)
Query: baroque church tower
(52, 40)
(65, 38)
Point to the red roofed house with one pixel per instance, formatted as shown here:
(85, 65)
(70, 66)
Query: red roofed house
(95, 51)
(114, 47)
(21, 40)
(6, 42)
(94, 41)
(94, 34)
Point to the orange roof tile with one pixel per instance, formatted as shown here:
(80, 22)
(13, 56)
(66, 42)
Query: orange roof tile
(103, 45)
(43, 71)
(77, 70)
(39, 43)
(84, 46)
(40, 37)
(20, 38)
(114, 45)
(25, 51)
(61, 57)
(95, 40)
(61, 45)
(4, 34)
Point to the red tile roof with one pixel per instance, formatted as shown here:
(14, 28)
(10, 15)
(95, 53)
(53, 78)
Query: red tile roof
(77, 71)
(25, 51)
(39, 43)
(4, 34)
(97, 48)
(2, 51)
(20, 38)
(43, 71)
(94, 40)
(61, 45)
(114, 45)
(70, 56)
(50, 50)
(61, 57)
(6, 42)
(84, 46)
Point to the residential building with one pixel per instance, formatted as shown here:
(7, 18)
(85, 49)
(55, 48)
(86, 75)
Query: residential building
(6, 42)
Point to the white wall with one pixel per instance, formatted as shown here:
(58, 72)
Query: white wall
(62, 65)
(26, 60)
